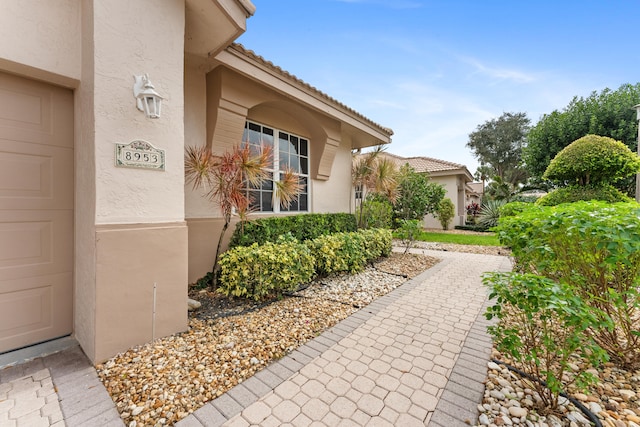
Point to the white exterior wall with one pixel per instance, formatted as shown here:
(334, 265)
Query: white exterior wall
(133, 38)
(41, 39)
(195, 134)
(334, 194)
(450, 184)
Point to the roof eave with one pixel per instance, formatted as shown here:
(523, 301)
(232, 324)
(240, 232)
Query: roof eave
(257, 68)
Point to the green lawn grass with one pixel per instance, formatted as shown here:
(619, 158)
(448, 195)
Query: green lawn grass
(488, 239)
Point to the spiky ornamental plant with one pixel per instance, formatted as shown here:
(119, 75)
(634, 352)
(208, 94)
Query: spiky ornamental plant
(373, 173)
(225, 179)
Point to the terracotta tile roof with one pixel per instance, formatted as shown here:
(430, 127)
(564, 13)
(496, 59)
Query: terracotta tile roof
(295, 80)
(425, 164)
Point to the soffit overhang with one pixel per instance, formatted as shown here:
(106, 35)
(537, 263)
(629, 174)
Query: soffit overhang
(363, 131)
(211, 25)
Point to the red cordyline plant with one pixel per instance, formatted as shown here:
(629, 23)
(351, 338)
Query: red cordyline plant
(226, 177)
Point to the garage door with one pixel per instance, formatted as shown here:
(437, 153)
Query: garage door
(36, 212)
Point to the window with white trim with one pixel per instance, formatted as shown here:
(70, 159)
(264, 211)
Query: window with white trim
(289, 151)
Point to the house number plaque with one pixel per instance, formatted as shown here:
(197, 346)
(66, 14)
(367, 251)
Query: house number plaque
(139, 154)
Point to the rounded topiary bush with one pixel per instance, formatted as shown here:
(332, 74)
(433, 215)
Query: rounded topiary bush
(592, 160)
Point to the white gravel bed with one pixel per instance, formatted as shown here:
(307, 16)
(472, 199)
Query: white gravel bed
(512, 400)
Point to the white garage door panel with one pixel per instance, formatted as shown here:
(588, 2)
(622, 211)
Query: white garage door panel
(35, 310)
(35, 243)
(35, 112)
(34, 176)
(36, 212)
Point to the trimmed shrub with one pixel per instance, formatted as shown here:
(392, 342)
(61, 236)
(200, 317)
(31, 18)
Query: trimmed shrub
(258, 272)
(594, 247)
(576, 193)
(593, 160)
(471, 228)
(377, 243)
(445, 212)
(302, 227)
(348, 252)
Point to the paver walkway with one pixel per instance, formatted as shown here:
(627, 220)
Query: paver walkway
(416, 356)
(407, 359)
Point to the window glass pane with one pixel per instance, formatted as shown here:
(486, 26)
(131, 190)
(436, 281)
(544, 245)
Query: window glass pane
(304, 165)
(284, 160)
(267, 205)
(267, 184)
(304, 181)
(303, 202)
(254, 200)
(304, 145)
(294, 144)
(284, 142)
(254, 137)
(294, 163)
(293, 207)
(267, 140)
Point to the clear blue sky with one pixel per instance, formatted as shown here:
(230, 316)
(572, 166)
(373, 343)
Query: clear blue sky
(434, 70)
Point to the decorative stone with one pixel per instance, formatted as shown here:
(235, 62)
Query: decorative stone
(627, 394)
(493, 366)
(516, 411)
(484, 420)
(193, 304)
(595, 408)
(497, 394)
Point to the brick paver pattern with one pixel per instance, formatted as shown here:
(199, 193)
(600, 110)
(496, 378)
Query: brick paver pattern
(30, 401)
(416, 356)
(393, 368)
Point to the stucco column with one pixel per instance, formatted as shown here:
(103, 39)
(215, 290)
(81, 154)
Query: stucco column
(135, 288)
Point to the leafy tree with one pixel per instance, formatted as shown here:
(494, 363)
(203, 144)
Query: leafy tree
(607, 113)
(225, 178)
(416, 195)
(498, 144)
(445, 212)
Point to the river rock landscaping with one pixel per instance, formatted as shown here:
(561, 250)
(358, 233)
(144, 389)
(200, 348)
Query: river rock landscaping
(229, 340)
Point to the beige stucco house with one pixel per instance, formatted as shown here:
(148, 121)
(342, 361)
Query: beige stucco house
(99, 236)
(454, 177)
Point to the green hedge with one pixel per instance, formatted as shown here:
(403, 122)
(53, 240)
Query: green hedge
(260, 271)
(576, 193)
(303, 227)
(349, 252)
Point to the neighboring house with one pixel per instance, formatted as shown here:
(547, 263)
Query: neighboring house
(454, 177)
(102, 252)
(475, 191)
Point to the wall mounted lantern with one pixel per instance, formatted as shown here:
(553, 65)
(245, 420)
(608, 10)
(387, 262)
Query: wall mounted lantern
(147, 99)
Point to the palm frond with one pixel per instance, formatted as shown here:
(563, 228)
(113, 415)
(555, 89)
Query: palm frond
(288, 187)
